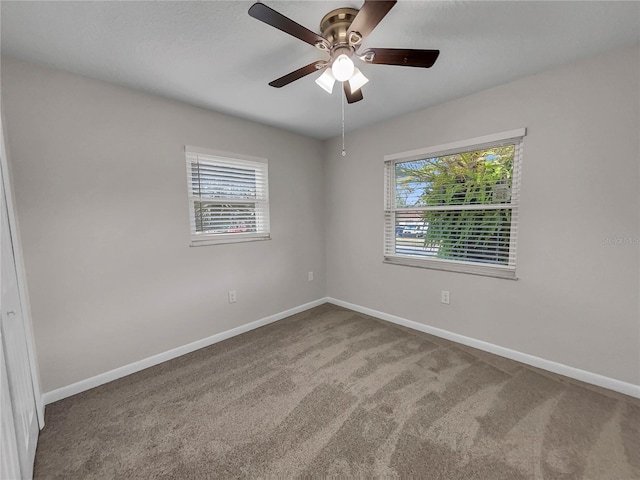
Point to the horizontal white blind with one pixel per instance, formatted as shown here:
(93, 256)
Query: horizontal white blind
(228, 197)
(389, 207)
(465, 235)
(455, 210)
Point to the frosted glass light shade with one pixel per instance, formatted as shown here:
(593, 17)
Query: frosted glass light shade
(357, 80)
(342, 68)
(326, 80)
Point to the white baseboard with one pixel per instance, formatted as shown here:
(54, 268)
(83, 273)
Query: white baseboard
(82, 385)
(559, 368)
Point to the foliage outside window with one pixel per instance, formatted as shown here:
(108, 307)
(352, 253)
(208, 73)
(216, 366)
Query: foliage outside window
(228, 197)
(454, 207)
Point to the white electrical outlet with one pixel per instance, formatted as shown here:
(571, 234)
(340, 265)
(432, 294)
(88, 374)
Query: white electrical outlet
(232, 296)
(311, 276)
(444, 297)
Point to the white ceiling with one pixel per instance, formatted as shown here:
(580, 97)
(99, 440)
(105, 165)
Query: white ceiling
(214, 55)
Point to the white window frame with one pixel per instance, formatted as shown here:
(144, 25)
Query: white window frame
(214, 157)
(478, 143)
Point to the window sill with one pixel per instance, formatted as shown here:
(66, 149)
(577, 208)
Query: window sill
(453, 266)
(201, 242)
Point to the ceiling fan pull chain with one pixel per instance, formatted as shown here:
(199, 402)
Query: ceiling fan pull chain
(344, 152)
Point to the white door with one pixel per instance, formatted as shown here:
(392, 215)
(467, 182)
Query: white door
(9, 459)
(15, 356)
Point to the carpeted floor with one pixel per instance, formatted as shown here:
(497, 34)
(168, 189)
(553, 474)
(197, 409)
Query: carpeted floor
(334, 392)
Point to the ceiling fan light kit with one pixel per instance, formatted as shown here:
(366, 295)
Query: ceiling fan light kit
(357, 80)
(326, 80)
(342, 68)
(343, 31)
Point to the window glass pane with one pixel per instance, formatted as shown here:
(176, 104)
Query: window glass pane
(456, 210)
(466, 178)
(466, 235)
(223, 182)
(228, 198)
(224, 218)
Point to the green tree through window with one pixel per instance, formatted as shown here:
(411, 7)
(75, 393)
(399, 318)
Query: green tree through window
(481, 178)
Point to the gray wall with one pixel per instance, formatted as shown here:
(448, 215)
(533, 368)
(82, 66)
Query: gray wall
(576, 300)
(100, 181)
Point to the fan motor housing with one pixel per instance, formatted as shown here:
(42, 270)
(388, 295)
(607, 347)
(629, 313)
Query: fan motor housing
(335, 25)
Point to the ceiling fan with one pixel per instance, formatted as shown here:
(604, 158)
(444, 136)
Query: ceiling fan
(342, 33)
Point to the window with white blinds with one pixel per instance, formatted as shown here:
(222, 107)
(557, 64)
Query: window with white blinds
(455, 206)
(228, 197)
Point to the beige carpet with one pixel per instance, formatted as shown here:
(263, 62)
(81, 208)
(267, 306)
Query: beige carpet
(333, 392)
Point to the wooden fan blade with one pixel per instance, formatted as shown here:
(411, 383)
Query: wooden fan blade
(352, 97)
(295, 75)
(269, 16)
(401, 56)
(369, 16)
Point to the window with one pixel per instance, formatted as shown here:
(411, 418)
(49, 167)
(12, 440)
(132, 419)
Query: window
(455, 207)
(228, 197)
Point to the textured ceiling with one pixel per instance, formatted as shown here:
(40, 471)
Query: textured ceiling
(214, 55)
